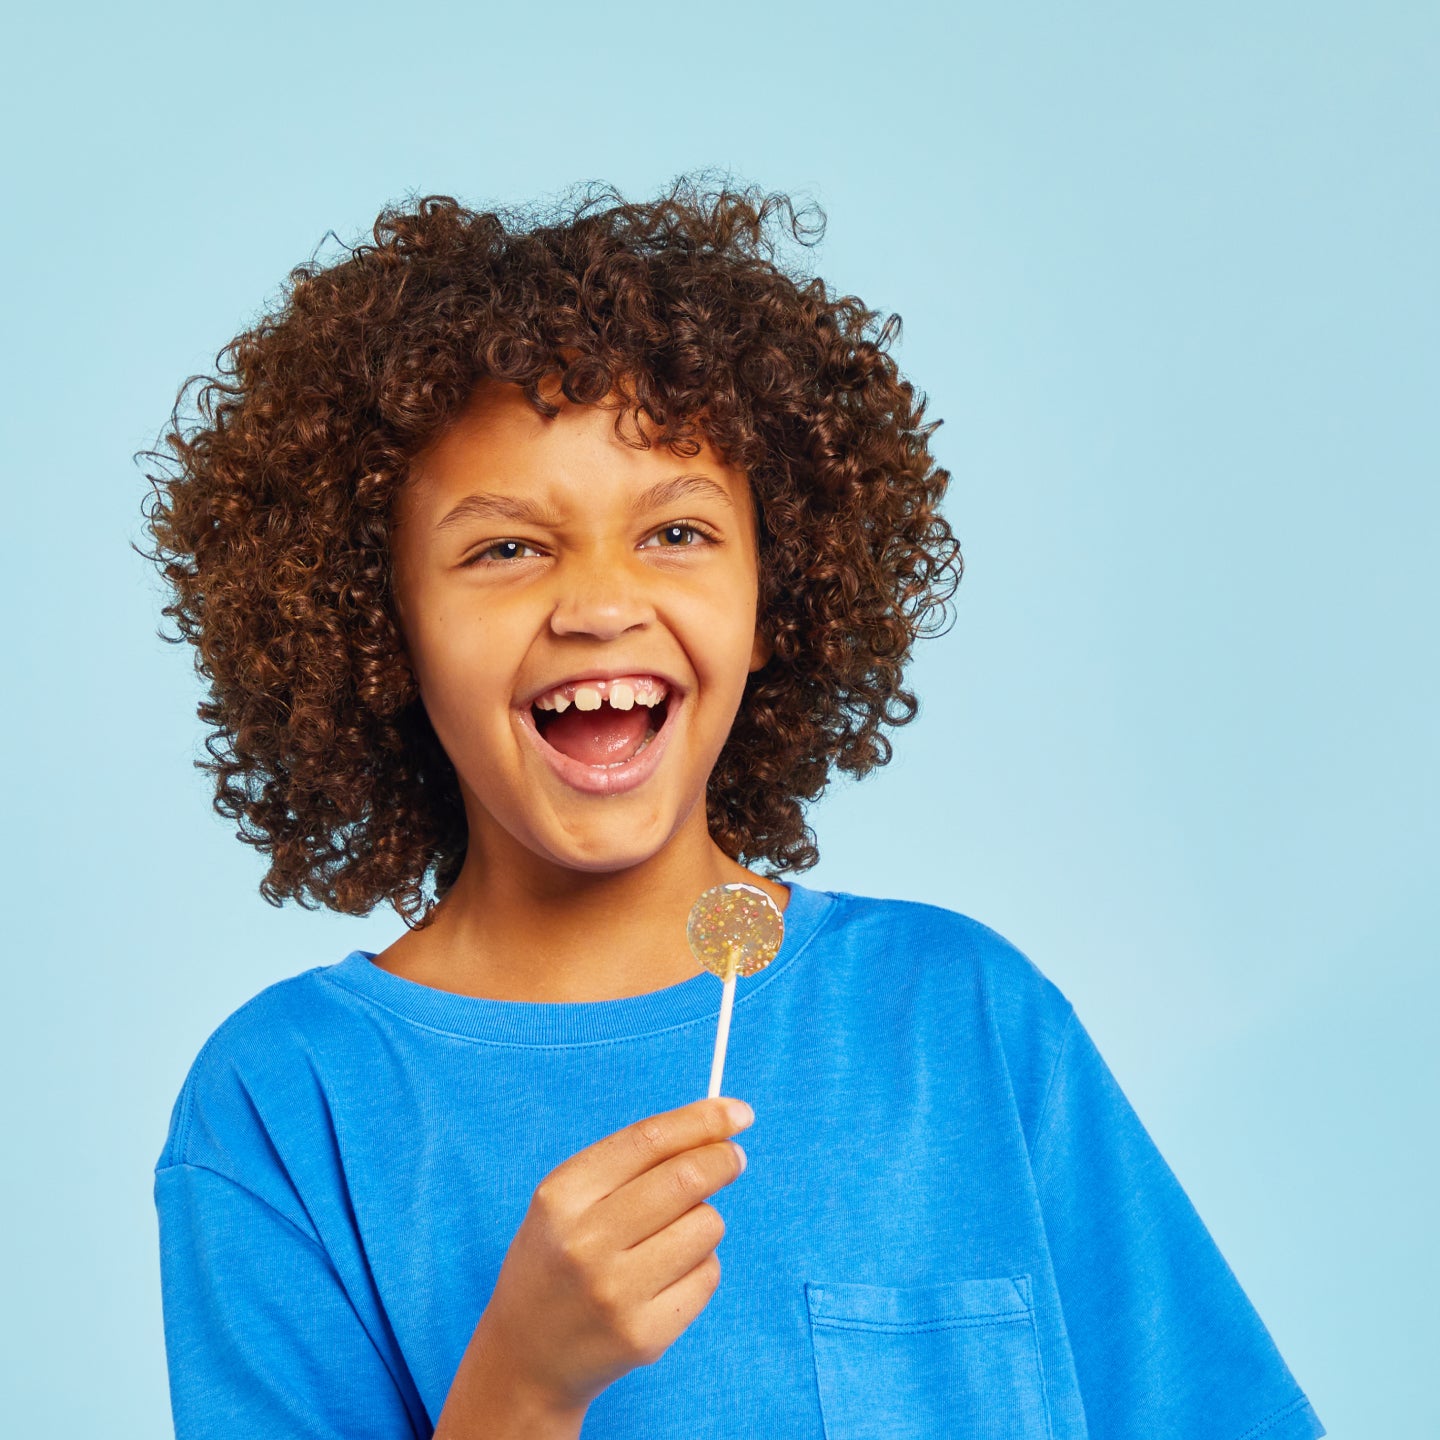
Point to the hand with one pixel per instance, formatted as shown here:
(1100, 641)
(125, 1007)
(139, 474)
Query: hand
(616, 1254)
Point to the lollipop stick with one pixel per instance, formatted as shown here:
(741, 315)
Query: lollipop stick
(722, 1034)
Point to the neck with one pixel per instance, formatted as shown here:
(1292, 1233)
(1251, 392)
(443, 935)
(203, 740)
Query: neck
(517, 927)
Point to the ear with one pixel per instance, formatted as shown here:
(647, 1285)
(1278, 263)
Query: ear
(760, 651)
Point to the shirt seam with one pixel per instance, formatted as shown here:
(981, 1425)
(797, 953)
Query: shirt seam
(180, 1129)
(822, 923)
(1040, 1371)
(246, 1190)
(1070, 1023)
(187, 1103)
(1293, 1407)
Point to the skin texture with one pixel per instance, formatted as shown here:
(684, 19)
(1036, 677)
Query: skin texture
(568, 896)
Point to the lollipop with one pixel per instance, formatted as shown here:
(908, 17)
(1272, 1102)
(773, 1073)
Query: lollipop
(733, 930)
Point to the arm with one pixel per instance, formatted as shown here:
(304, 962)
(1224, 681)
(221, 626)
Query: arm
(261, 1337)
(487, 1401)
(1165, 1340)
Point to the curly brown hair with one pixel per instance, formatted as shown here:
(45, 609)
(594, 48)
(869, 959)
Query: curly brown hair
(272, 507)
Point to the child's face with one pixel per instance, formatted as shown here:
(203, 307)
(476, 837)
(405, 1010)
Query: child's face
(578, 559)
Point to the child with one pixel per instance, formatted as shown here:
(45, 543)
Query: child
(552, 565)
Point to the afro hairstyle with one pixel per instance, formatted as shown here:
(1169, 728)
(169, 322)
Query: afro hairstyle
(272, 500)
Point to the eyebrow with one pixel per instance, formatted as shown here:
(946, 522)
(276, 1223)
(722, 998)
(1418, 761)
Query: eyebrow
(484, 506)
(495, 507)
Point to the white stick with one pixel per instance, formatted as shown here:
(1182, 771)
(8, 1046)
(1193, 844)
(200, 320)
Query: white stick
(722, 1035)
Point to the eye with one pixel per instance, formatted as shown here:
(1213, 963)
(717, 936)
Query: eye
(501, 551)
(677, 536)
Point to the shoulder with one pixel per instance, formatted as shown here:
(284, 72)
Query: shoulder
(949, 985)
(930, 941)
(258, 1079)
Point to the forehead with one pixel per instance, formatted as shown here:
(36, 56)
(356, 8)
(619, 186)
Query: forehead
(500, 443)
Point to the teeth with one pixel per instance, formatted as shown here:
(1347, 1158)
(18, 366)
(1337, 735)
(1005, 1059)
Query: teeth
(622, 695)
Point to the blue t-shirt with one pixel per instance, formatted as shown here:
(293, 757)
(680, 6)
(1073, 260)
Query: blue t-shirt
(952, 1221)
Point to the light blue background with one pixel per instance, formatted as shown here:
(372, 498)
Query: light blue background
(1169, 275)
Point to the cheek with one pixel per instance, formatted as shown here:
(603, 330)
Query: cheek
(724, 647)
(461, 657)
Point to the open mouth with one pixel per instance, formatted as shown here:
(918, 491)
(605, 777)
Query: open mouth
(604, 724)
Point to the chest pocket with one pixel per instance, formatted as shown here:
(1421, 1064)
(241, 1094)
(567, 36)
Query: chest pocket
(916, 1363)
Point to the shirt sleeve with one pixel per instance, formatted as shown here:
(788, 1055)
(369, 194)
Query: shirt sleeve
(1164, 1339)
(260, 1336)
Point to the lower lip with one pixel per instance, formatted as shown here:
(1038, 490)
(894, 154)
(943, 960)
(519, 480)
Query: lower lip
(604, 779)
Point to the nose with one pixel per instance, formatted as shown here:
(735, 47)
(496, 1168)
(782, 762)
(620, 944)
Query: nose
(600, 597)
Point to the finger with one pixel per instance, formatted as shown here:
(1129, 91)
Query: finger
(672, 1253)
(610, 1163)
(659, 1197)
(675, 1307)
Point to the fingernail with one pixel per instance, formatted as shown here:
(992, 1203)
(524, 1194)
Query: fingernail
(744, 1159)
(740, 1113)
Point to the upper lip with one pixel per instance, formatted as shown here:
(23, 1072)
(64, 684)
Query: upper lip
(618, 672)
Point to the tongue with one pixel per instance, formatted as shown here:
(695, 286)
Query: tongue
(598, 737)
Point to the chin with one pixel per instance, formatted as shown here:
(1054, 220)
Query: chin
(603, 849)
(601, 859)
